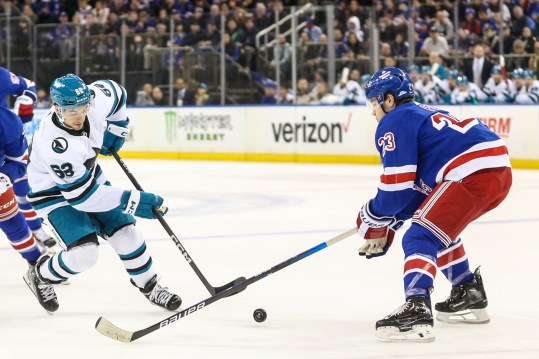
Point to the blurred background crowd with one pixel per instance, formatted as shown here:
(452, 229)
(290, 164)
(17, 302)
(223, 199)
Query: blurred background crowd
(199, 52)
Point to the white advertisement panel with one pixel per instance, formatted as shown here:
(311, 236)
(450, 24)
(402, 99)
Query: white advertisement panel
(187, 130)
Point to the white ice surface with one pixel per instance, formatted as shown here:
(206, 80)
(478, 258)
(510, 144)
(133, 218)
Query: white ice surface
(239, 219)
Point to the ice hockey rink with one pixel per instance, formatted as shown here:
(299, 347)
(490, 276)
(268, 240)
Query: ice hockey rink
(239, 219)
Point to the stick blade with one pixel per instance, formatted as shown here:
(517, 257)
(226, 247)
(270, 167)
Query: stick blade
(230, 285)
(105, 327)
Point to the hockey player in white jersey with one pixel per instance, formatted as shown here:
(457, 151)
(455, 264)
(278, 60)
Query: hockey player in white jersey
(467, 92)
(349, 89)
(526, 90)
(497, 88)
(69, 189)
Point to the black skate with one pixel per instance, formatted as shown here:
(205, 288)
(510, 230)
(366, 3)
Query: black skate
(160, 296)
(42, 288)
(411, 322)
(466, 303)
(44, 239)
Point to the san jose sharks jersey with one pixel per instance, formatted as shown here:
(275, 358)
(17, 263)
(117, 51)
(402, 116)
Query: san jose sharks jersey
(421, 146)
(63, 168)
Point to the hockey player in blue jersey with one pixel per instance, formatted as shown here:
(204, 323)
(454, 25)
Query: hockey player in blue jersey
(11, 84)
(442, 173)
(69, 189)
(13, 157)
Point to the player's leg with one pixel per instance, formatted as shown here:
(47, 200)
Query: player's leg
(79, 234)
(413, 320)
(21, 189)
(445, 213)
(128, 242)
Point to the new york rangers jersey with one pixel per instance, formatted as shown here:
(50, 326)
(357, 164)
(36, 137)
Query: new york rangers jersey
(62, 167)
(11, 84)
(421, 146)
(13, 146)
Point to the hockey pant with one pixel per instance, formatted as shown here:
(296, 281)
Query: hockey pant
(433, 241)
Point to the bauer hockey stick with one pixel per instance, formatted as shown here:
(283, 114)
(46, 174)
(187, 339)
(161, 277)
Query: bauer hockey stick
(110, 330)
(213, 290)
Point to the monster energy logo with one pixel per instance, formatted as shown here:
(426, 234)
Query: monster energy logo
(170, 126)
(198, 126)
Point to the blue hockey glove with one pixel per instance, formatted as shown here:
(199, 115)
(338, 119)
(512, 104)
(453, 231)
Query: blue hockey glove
(140, 204)
(114, 137)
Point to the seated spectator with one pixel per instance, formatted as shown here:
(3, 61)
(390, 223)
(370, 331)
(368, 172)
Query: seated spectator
(436, 43)
(533, 63)
(313, 30)
(518, 57)
(528, 39)
(270, 89)
(202, 98)
(285, 96)
(302, 96)
(144, 96)
(43, 99)
(471, 23)
(444, 25)
(491, 39)
(324, 97)
(157, 96)
(520, 21)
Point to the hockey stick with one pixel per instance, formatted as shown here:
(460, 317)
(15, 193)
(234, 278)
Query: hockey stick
(213, 290)
(110, 330)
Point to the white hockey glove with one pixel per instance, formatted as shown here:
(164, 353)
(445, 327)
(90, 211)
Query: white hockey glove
(5, 182)
(378, 232)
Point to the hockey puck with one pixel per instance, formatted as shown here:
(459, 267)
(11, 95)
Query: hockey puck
(260, 315)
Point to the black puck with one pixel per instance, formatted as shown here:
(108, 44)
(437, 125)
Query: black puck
(260, 315)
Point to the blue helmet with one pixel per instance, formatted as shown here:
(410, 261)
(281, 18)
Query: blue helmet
(389, 79)
(496, 69)
(529, 74)
(70, 91)
(453, 74)
(413, 68)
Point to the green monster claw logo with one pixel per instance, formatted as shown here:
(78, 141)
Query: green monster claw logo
(170, 126)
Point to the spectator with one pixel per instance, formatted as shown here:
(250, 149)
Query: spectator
(471, 23)
(144, 96)
(282, 54)
(157, 96)
(236, 33)
(444, 25)
(269, 97)
(528, 39)
(202, 98)
(285, 97)
(302, 96)
(213, 38)
(63, 35)
(43, 99)
(518, 57)
(324, 97)
(436, 43)
(195, 36)
(101, 12)
(83, 11)
(491, 39)
(314, 30)
(520, 21)
(353, 25)
(507, 38)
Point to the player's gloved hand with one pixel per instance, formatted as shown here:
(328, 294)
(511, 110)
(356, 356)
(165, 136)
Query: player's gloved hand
(114, 137)
(5, 182)
(377, 231)
(24, 106)
(140, 204)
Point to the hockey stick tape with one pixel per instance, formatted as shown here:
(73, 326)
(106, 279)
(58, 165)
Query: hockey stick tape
(118, 130)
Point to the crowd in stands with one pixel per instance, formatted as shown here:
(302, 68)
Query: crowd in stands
(456, 45)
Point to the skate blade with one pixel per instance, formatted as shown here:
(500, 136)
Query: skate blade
(418, 334)
(468, 316)
(31, 289)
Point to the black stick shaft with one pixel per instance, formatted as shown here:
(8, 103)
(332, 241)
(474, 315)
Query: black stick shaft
(116, 333)
(165, 225)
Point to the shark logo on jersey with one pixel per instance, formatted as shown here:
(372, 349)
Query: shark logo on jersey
(59, 145)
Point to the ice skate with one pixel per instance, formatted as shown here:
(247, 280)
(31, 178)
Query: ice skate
(43, 239)
(466, 304)
(42, 288)
(160, 296)
(411, 322)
